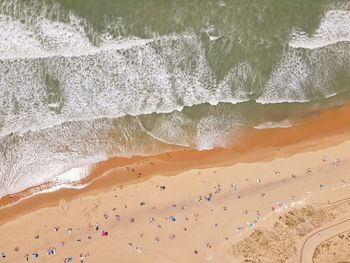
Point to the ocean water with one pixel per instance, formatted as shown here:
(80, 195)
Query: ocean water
(84, 80)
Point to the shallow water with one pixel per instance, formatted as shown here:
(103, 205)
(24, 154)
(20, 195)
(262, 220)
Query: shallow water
(83, 80)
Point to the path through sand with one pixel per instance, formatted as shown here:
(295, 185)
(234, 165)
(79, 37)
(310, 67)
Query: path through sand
(316, 238)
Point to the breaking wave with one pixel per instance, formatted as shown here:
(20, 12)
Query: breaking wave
(72, 94)
(334, 28)
(309, 68)
(51, 73)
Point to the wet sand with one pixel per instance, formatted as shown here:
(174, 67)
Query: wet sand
(163, 218)
(254, 145)
(157, 207)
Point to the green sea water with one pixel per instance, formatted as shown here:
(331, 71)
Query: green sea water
(84, 80)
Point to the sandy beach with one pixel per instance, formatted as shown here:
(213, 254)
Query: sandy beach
(191, 206)
(174, 131)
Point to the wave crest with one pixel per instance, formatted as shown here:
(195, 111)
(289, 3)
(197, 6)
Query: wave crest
(334, 28)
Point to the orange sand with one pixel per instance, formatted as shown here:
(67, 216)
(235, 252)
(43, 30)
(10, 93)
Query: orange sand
(268, 167)
(254, 145)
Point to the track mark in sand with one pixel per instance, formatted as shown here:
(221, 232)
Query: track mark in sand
(310, 244)
(318, 237)
(64, 206)
(90, 212)
(333, 203)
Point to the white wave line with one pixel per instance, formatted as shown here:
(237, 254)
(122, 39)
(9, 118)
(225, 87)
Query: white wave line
(159, 139)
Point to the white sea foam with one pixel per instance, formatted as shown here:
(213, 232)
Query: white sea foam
(334, 28)
(73, 175)
(57, 187)
(52, 73)
(34, 158)
(208, 135)
(159, 75)
(67, 180)
(99, 85)
(50, 39)
(303, 75)
(237, 84)
(215, 131)
(272, 124)
(171, 129)
(288, 81)
(308, 68)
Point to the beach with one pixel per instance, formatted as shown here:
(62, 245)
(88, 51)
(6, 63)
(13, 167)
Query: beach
(181, 131)
(194, 208)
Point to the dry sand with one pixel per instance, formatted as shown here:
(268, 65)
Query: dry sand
(254, 145)
(335, 249)
(214, 202)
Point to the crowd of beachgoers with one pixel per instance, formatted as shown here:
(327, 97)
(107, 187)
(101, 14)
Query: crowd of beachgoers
(101, 229)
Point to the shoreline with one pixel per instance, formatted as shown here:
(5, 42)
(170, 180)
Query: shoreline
(255, 145)
(236, 200)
